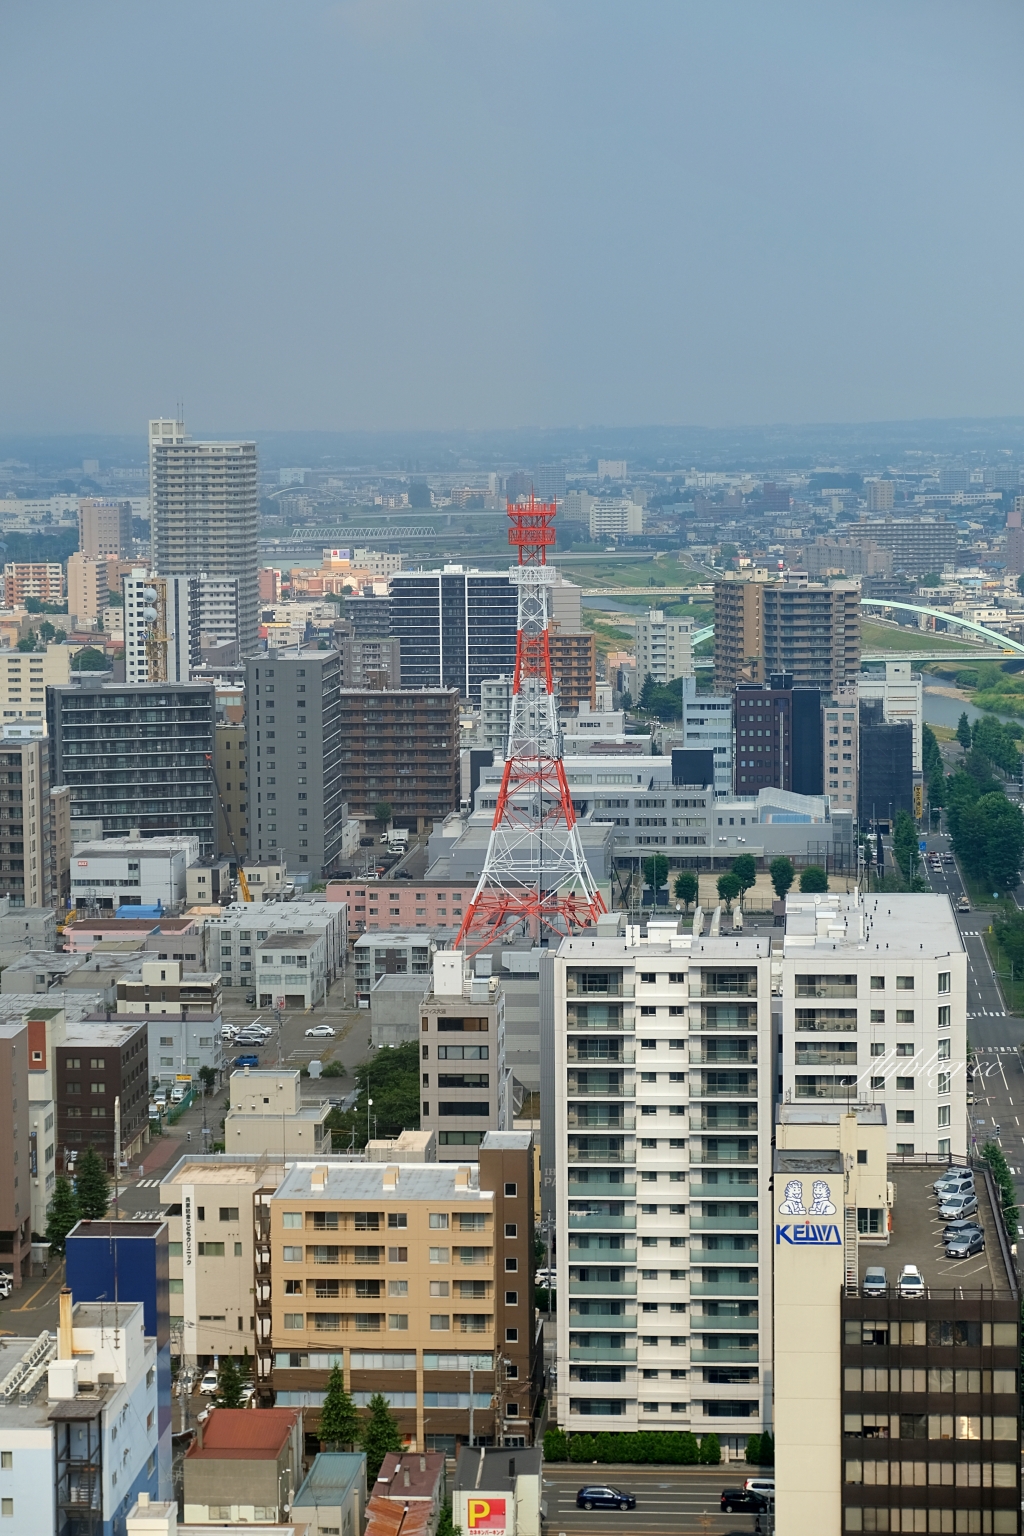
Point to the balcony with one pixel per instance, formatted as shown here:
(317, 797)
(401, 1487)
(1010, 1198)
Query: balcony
(597, 984)
(733, 1356)
(730, 1325)
(826, 986)
(597, 1117)
(742, 1286)
(716, 1016)
(723, 1192)
(578, 1223)
(598, 1183)
(602, 1257)
(723, 1223)
(724, 984)
(615, 1052)
(606, 1154)
(730, 1256)
(723, 1118)
(723, 1053)
(598, 1084)
(600, 1352)
(723, 1084)
(736, 1152)
(602, 1287)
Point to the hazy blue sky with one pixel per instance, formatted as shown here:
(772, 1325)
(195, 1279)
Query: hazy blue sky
(402, 213)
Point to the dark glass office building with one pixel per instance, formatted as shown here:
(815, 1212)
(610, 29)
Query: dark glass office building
(886, 777)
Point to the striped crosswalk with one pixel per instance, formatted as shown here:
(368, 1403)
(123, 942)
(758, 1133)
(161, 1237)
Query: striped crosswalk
(148, 1184)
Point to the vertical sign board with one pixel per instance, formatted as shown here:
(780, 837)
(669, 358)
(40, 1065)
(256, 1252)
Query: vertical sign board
(807, 1245)
(189, 1256)
(475, 1509)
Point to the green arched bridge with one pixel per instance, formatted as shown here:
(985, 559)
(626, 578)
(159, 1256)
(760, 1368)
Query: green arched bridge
(1002, 642)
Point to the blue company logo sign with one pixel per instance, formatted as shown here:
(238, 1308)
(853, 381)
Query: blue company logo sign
(808, 1233)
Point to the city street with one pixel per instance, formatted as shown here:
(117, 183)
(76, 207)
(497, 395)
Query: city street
(994, 1034)
(668, 1499)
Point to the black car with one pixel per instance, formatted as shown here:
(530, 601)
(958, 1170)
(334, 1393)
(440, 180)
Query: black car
(962, 1227)
(735, 1499)
(603, 1496)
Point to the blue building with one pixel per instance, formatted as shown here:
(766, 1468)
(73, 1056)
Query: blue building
(126, 1261)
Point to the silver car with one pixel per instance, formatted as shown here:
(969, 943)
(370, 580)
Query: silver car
(874, 1282)
(957, 1206)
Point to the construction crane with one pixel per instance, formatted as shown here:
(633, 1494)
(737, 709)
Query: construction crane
(243, 884)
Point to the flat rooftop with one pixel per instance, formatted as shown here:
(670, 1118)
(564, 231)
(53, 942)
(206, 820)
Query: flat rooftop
(916, 1237)
(913, 926)
(365, 1181)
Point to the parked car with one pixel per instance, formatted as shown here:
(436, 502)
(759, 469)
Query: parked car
(6, 1285)
(160, 1096)
(910, 1282)
(965, 1245)
(955, 1187)
(736, 1499)
(250, 999)
(765, 1486)
(874, 1282)
(179, 1091)
(208, 1383)
(962, 1225)
(603, 1496)
(246, 1061)
(958, 1205)
(321, 1032)
(954, 1171)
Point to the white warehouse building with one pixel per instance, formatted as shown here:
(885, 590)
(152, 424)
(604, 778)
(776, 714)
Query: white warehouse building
(132, 872)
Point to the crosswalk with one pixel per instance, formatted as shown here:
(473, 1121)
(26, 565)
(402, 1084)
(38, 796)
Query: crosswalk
(989, 1013)
(997, 1050)
(148, 1184)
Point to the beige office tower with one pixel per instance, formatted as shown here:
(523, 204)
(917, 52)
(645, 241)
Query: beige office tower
(25, 677)
(104, 528)
(204, 511)
(88, 588)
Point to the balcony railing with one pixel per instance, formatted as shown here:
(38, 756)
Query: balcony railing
(596, 1184)
(717, 1119)
(602, 1257)
(597, 984)
(723, 1223)
(826, 986)
(614, 1086)
(600, 1352)
(599, 1154)
(590, 1117)
(579, 1223)
(724, 984)
(733, 1286)
(602, 1287)
(741, 1053)
(618, 1052)
(700, 1152)
(733, 1356)
(723, 1084)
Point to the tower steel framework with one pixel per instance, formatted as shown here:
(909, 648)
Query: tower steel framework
(535, 879)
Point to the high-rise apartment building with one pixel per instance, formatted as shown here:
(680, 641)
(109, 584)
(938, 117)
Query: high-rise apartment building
(416, 1279)
(920, 546)
(1015, 536)
(88, 588)
(805, 629)
(294, 750)
(874, 1010)
(455, 626)
(371, 663)
(656, 1152)
(204, 512)
(400, 746)
(549, 482)
(30, 869)
(574, 666)
(137, 757)
(664, 649)
(465, 1089)
(880, 495)
(840, 749)
(218, 612)
(161, 627)
(104, 528)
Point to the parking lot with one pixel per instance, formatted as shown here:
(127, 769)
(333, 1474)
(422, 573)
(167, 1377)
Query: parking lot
(668, 1499)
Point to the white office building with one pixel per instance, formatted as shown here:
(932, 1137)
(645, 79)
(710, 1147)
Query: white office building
(874, 1011)
(664, 647)
(901, 691)
(132, 872)
(656, 1148)
(235, 941)
(612, 516)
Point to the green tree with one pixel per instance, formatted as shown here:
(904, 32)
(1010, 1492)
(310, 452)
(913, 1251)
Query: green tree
(930, 754)
(29, 642)
(767, 1451)
(686, 887)
(391, 1079)
(88, 660)
(728, 889)
(383, 810)
(63, 1213)
(813, 879)
(993, 739)
(745, 870)
(229, 1384)
(556, 1445)
(93, 1185)
(656, 871)
(904, 845)
(782, 875)
(710, 1451)
(339, 1417)
(208, 1078)
(963, 732)
(446, 1525)
(379, 1434)
(753, 1452)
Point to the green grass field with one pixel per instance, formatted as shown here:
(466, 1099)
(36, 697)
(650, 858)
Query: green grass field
(883, 637)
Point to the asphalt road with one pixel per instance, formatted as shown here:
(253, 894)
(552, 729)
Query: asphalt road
(996, 1035)
(668, 1499)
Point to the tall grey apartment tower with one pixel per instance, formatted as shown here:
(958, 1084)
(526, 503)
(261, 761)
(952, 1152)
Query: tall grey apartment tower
(296, 805)
(204, 511)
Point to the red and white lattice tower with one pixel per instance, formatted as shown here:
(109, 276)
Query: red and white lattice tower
(535, 877)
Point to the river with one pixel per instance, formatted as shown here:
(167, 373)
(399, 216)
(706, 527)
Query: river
(940, 709)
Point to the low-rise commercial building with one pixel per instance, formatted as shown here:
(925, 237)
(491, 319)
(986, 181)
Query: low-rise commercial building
(243, 1467)
(96, 1063)
(291, 970)
(332, 1498)
(233, 936)
(267, 1112)
(165, 987)
(132, 871)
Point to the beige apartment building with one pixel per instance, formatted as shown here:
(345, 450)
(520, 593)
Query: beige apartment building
(801, 629)
(34, 865)
(88, 589)
(104, 528)
(25, 677)
(416, 1280)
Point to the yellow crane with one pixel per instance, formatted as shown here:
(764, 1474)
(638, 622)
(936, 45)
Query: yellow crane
(243, 884)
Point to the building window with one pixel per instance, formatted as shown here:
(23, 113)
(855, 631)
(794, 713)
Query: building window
(440, 1255)
(878, 983)
(943, 981)
(943, 1114)
(439, 1219)
(511, 1335)
(511, 1190)
(440, 1322)
(944, 1081)
(944, 1016)
(943, 1051)
(906, 1085)
(904, 983)
(904, 1149)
